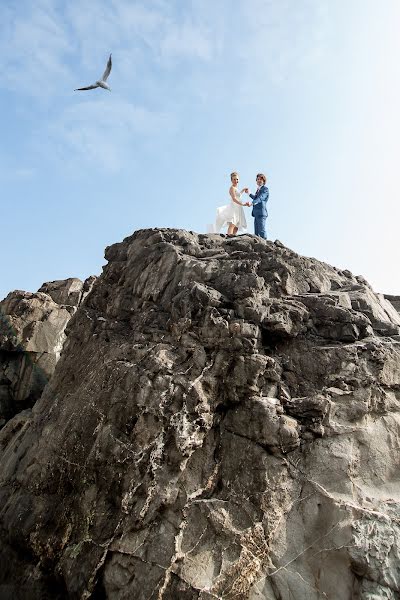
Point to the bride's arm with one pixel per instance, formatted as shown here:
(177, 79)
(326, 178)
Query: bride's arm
(232, 195)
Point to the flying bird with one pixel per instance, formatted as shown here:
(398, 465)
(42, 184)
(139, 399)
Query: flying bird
(101, 82)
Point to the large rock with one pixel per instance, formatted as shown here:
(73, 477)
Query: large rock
(394, 301)
(32, 333)
(70, 292)
(224, 422)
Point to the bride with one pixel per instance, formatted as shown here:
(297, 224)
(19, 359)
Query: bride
(232, 214)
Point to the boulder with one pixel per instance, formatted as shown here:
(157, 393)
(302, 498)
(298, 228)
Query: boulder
(394, 301)
(32, 334)
(69, 292)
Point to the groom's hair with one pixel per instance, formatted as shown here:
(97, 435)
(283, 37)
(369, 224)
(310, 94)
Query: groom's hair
(235, 173)
(262, 176)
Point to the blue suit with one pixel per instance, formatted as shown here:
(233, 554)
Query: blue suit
(259, 212)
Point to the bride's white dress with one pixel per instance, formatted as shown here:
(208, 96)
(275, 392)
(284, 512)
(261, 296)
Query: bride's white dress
(230, 213)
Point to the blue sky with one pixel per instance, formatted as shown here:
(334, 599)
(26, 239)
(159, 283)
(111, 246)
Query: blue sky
(306, 91)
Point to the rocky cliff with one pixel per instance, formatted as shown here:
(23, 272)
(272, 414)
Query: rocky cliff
(224, 422)
(32, 333)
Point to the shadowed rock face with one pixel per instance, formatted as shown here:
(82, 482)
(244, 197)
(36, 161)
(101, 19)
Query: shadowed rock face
(395, 300)
(32, 333)
(223, 423)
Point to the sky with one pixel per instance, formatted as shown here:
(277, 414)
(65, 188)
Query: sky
(306, 91)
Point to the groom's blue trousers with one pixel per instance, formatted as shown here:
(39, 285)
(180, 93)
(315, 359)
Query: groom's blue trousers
(260, 227)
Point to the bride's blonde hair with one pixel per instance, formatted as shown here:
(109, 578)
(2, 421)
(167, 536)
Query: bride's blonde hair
(233, 174)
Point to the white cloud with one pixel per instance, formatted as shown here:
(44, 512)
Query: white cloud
(104, 133)
(15, 173)
(47, 49)
(141, 20)
(166, 57)
(186, 40)
(166, 35)
(283, 38)
(33, 49)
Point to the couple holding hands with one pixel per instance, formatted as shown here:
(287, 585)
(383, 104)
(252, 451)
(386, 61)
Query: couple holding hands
(233, 214)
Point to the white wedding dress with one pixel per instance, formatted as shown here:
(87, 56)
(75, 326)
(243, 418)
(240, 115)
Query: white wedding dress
(230, 213)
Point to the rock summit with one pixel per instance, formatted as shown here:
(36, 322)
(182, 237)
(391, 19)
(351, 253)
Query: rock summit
(223, 423)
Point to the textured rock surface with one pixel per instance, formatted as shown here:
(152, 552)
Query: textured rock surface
(394, 300)
(32, 329)
(224, 422)
(68, 291)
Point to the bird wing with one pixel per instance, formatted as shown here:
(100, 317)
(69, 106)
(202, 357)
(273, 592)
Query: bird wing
(108, 69)
(89, 87)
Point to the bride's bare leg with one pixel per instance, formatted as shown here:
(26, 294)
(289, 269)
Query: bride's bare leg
(231, 229)
(235, 230)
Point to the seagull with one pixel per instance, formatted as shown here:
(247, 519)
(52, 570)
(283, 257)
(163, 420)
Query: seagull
(101, 82)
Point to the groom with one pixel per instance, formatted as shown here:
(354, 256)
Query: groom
(259, 212)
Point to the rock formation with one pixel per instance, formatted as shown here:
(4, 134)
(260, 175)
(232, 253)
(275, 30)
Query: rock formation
(224, 422)
(31, 337)
(395, 300)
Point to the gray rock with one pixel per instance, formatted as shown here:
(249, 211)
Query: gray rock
(223, 423)
(383, 316)
(32, 334)
(394, 301)
(70, 292)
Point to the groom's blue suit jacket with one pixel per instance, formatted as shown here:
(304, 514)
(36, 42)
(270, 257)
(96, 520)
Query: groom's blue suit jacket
(260, 199)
